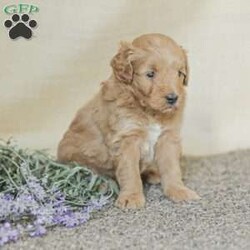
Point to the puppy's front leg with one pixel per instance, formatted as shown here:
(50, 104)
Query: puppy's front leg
(168, 152)
(128, 174)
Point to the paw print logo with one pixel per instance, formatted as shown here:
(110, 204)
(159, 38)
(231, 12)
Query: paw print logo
(20, 27)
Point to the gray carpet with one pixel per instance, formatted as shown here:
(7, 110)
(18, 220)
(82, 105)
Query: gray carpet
(221, 220)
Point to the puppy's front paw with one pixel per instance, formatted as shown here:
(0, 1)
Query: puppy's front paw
(181, 193)
(132, 201)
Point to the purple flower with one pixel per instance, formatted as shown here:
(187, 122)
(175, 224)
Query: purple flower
(7, 233)
(7, 197)
(98, 204)
(44, 214)
(5, 205)
(35, 230)
(38, 230)
(41, 207)
(24, 203)
(32, 183)
(71, 219)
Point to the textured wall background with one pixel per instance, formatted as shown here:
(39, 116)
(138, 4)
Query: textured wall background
(45, 80)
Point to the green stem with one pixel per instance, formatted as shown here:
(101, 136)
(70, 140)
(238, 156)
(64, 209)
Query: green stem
(7, 172)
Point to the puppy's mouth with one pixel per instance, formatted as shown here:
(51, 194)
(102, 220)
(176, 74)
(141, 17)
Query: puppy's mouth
(170, 109)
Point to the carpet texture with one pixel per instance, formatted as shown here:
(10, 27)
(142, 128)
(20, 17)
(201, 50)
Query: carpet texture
(221, 220)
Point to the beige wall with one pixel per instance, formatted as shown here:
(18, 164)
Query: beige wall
(45, 80)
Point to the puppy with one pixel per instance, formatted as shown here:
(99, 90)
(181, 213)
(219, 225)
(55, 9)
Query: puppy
(131, 129)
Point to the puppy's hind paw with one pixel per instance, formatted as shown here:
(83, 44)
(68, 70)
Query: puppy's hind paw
(151, 177)
(130, 201)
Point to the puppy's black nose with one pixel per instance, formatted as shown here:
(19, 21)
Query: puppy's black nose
(171, 98)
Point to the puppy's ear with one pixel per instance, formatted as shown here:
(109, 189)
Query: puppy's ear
(122, 63)
(186, 68)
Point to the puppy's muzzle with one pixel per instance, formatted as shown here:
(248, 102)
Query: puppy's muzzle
(171, 98)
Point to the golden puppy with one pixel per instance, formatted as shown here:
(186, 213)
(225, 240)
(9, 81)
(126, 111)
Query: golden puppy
(131, 129)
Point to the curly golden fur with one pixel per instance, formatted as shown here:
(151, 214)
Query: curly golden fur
(131, 129)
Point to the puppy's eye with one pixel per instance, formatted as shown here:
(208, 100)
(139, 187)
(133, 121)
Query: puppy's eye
(180, 73)
(151, 74)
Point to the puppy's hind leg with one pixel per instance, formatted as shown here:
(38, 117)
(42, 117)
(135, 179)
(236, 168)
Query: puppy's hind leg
(86, 149)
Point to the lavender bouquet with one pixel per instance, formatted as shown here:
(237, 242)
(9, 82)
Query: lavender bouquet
(36, 193)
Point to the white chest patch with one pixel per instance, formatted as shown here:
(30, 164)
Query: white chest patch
(148, 149)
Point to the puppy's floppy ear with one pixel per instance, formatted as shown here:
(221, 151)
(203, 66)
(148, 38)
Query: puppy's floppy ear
(122, 63)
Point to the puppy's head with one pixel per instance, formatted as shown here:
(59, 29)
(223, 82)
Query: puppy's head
(156, 69)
